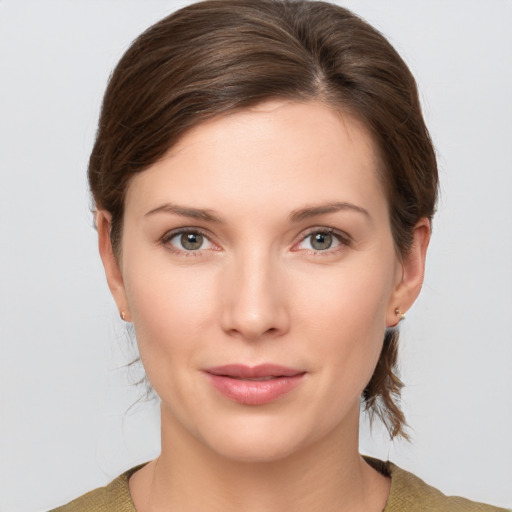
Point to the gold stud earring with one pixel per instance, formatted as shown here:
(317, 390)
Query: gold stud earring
(122, 315)
(399, 313)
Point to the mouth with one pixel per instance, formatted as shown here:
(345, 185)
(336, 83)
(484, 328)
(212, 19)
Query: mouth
(254, 385)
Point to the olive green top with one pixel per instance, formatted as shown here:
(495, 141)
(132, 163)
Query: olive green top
(408, 494)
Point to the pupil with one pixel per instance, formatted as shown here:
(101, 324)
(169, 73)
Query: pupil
(322, 241)
(191, 241)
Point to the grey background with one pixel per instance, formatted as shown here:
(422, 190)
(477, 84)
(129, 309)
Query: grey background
(64, 394)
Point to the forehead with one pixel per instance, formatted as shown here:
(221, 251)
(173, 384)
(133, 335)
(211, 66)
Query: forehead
(279, 151)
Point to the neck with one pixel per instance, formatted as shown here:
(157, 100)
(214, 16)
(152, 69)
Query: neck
(326, 475)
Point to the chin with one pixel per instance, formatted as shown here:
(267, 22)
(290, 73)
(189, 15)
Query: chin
(259, 440)
(256, 449)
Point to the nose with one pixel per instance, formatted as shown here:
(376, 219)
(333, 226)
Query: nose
(254, 305)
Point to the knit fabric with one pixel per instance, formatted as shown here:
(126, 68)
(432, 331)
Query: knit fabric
(408, 494)
(411, 494)
(115, 497)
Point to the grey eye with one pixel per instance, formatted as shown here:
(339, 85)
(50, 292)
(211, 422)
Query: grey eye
(321, 241)
(187, 241)
(191, 241)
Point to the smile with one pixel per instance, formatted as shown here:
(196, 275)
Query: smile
(257, 385)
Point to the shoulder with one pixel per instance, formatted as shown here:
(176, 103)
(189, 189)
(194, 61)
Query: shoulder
(115, 497)
(410, 493)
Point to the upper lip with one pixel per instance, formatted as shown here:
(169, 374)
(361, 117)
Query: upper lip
(241, 371)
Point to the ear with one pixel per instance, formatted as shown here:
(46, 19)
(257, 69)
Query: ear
(410, 274)
(111, 263)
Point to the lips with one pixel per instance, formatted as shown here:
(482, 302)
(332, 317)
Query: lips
(254, 385)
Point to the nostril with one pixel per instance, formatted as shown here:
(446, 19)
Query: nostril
(254, 332)
(253, 306)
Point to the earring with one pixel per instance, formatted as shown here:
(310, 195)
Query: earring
(122, 315)
(399, 313)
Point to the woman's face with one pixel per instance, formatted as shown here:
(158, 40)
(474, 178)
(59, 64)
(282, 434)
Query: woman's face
(259, 271)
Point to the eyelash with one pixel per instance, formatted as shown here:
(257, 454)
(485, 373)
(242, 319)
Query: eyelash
(343, 238)
(184, 231)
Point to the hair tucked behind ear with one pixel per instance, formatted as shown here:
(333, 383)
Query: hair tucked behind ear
(383, 391)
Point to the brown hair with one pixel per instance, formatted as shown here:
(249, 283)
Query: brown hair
(219, 56)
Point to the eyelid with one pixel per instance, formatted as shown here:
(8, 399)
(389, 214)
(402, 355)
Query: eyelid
(344, 238)
(169, 235)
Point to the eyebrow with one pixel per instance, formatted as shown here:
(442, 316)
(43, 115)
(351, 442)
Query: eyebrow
(186, 211)
(322, 209)
(294, 217)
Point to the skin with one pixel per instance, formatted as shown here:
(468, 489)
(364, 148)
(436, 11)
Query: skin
(260, 291)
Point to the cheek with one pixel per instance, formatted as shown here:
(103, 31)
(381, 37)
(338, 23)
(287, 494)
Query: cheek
(353, 296)
(171, 307)
(345, 316)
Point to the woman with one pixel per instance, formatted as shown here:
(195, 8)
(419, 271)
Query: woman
(264, 185)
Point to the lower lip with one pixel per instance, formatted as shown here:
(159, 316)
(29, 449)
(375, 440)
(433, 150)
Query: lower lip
(254, 392)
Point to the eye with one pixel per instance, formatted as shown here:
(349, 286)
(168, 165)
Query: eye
(322, 240)
(187, 241)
